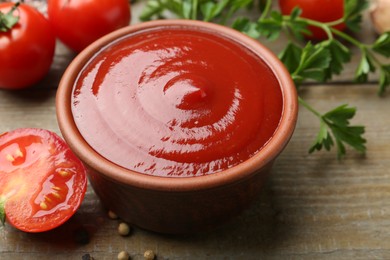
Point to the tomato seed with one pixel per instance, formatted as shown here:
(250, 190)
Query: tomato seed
(56, 194)
(64, 173)
(48, 199)
(43, 205)
(19, 153)
(10, 158)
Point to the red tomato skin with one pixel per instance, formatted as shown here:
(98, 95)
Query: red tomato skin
(318, 10)
(29, 183)
(78, 23)
(27, 50)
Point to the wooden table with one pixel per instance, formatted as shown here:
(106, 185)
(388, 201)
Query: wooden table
(312, 207)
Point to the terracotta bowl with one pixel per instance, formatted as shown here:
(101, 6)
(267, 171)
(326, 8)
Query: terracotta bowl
(168, 204)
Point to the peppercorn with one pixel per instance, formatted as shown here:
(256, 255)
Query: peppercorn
(112, 215)
(124, 229)
(123, 255)
(149, 255)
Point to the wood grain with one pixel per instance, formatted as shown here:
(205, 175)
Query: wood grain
(313, 206)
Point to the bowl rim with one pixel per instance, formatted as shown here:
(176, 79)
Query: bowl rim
(122, 175)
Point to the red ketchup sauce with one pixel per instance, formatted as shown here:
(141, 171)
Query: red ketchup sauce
(175, 102)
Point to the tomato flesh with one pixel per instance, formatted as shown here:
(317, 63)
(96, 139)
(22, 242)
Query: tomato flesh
(42, 182)
(319, 10)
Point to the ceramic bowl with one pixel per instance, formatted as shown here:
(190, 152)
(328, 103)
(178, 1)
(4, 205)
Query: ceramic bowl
(168, 204)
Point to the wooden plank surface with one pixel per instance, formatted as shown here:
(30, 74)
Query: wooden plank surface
(312, 207)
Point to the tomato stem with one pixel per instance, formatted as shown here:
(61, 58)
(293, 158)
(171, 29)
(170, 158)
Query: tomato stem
(308, 107)
(194, 10)
(348, 38)
(8, 20)
(266, 10)
(2, 211)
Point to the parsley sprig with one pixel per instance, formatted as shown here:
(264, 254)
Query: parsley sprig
(318, 61)
(335, 128)
(271, 26)
(206, 10)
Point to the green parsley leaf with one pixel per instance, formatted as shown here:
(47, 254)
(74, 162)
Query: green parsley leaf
(295, 13)
(210, 10)
(366, 65)
(207, 10)
(153, 9)
(246, 26)
(2, 211)
(323, 139)
(221, 11)
(291, 56)
(314, 62)
(353, 13)
(340, 115)
(382, 45)
(335, 124)
(271, 27)
(297, 26)
(339, 54)
(185, 10)
(384, 78)
(236, 5)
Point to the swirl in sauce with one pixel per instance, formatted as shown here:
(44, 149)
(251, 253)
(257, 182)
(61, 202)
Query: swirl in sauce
(174, 102)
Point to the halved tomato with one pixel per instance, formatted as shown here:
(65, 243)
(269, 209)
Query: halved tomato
(42, 183)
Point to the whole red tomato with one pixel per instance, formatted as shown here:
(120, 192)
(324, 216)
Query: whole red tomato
(42, 183)
(319, 10)
(26, 49)
(78, 23)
